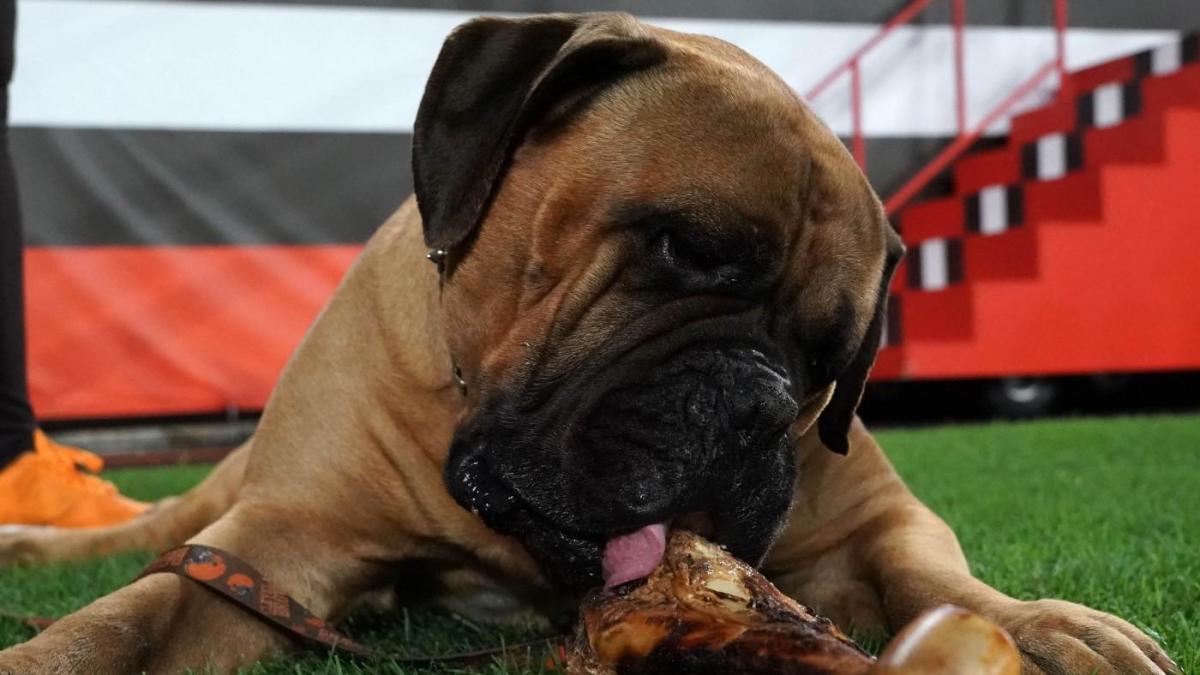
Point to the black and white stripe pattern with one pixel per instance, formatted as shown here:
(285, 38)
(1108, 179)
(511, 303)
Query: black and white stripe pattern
(935, 264)
(1109, 104)
(1169, 57)
(995, 209)
(1052, 156)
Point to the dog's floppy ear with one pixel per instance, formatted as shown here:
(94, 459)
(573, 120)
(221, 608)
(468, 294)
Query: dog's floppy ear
(833, 426)
(492, 80)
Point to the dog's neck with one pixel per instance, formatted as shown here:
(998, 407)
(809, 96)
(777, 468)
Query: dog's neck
(380, 347)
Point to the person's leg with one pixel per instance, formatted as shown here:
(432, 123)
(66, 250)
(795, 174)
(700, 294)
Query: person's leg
(41, 482)
(16, 416)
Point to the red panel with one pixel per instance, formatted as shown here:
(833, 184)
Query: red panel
(1085, 80)
(1010, 255)
(1139, 139)
(1037, 123)
(993, 167)
(1073, 197)
(129, 331)
(1179, 88)
(932, 218)
(937, 315)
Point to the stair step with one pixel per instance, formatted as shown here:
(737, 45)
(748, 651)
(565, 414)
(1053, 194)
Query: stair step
(1181, 88)
(889, 363)
(1088, 79)
(932, 218)
(1011, 255)
(1137, 140)
(994, 167)
(1058, 116)
(1074, 197)
(938, 315)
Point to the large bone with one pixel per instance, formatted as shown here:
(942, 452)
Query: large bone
(705, 612)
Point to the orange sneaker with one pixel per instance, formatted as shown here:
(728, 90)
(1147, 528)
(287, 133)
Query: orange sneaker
(53, 485)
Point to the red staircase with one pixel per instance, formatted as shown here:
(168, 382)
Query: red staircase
(1074, 247)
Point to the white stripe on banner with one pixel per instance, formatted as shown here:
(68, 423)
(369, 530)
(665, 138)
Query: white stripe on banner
(993, 209)
(1107, 104)
(178, 65)
(935, 265)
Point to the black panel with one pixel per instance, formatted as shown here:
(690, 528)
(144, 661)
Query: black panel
(1085, 110)
(1016, 205)
(971, 212)
(893, 319)
(1131, 99)
(1190, 48)
(1029, 161)
(1074, 152)
(954, 261)
(1143, 63)
(130, 187)
(913, 260)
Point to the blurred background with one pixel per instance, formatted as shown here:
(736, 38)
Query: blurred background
(195, 177)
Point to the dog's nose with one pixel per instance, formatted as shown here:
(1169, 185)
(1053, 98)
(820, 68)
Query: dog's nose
(475, 488)
(641, 498)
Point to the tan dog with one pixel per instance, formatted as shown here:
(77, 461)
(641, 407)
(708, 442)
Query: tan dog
(663, 291)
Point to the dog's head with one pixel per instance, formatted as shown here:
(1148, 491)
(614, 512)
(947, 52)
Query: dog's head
(661, 268)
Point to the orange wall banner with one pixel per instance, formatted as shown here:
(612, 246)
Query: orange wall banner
(148, 331)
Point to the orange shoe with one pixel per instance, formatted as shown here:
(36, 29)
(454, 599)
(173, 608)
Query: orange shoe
(53, 485)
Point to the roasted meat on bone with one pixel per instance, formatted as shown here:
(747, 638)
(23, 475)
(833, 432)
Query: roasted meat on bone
(702, 611)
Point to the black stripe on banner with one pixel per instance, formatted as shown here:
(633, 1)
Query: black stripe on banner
(913, 260)
(1016, 205)
(971, 213)
(88, 187)
(954, 261)
(1085, 110)
(1131, 99)
(1190, 47)
(1143, 63)
(893, 319)
(1074, 152)
(1039, 13)
(1029, 161)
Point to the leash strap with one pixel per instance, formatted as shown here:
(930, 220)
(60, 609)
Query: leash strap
(236, 580)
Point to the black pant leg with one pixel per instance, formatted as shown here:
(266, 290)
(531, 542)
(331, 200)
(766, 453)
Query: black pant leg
(16, 415)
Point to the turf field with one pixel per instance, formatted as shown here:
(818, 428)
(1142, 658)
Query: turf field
(1100, 511)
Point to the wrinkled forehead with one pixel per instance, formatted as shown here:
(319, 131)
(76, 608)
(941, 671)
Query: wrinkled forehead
(709, 128)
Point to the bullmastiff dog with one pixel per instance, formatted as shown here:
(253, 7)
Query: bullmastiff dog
(660, 293)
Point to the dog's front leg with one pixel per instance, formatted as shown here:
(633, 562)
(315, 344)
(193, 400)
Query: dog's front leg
(160, 624)
(864, 550)
(166, 624)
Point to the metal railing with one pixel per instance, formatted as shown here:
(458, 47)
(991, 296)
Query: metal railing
(965, 135)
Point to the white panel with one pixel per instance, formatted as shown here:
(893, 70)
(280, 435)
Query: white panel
(935, 268)
(993, 209)
(1167, 58)
(1052, 156)
(1106, 105)
(192, 65)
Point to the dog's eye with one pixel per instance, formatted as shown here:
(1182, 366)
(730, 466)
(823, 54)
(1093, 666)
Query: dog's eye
(680, 251)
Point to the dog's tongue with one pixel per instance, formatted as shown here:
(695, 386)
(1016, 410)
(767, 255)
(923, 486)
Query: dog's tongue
(634, 555)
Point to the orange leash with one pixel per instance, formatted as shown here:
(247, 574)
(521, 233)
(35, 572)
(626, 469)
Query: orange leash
(237, 581)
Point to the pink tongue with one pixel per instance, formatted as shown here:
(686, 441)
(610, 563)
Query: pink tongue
(634, 555)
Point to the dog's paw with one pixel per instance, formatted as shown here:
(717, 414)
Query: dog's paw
(1063, 638)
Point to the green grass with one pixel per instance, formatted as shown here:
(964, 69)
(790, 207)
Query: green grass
(1100, 511)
